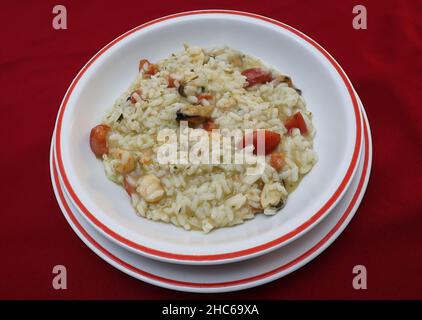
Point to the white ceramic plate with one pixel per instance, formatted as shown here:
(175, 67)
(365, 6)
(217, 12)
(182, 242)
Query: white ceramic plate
(226, 277)
(106, 206)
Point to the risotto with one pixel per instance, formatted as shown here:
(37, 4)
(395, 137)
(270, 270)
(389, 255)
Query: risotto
(211, 104)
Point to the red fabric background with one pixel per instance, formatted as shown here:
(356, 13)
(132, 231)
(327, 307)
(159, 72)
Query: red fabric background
(37, 64)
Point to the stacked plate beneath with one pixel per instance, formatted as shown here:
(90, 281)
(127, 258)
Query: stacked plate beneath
(261, 250)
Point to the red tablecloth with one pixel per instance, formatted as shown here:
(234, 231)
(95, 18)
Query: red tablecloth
(37, 64)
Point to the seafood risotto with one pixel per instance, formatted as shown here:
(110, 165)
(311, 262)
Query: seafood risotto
(209, 92)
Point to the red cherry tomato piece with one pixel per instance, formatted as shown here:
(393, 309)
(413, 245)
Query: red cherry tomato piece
(257, 75)
(270, 140)
(98, 139)
(296, 121)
